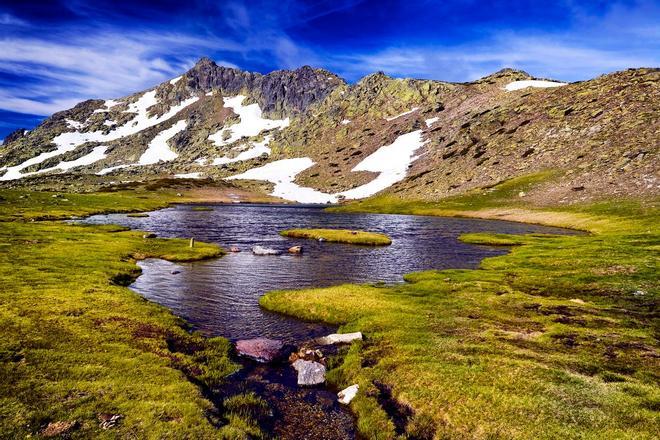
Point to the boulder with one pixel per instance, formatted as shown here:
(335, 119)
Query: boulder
(260, 349)
(339, 338)
(175, 272)
(149, 235)
(260, 250)
(346, 395)
(309, 372)
(295, 250)
(234, 249)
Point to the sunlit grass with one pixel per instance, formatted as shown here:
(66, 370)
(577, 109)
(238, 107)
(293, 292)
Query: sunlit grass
(340, 236)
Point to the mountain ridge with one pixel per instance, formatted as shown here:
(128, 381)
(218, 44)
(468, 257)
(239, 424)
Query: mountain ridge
(599, 136)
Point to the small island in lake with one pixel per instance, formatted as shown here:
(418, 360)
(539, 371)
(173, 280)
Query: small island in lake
(340, 236)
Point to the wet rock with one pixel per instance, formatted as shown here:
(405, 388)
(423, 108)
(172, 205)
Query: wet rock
(149, 235)
(321, 239)
(260, 349)
(309, 372)
(55, 429)
(346, 395)
(295, 250)
(308, 354)
(175, 272)
(339, 338)
(234, 249)
(260, 250)
(108, 421)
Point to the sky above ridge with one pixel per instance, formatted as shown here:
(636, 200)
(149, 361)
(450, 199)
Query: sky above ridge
(54, 54)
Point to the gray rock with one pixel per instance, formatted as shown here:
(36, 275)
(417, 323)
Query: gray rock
(149, 235)
(260, 250)
(309, 372)
(260, 349)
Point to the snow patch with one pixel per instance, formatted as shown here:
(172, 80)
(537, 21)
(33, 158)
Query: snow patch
(108, 105)
(391, 161)
(402, 114)
(431, 121)
(98, 153)
(251, 122)
(189, 176)
(256, 150)
(69, 141)
(105, 171)
(282, 173)
(519, 85)
(74, 124)
(346, 121)
(158, 149)
(201, 161)
(175, 80)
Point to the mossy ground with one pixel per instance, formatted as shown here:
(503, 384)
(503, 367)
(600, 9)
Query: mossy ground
(76, 343)
(557, 339)
(340, 236)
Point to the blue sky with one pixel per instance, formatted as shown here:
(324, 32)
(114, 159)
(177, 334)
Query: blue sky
(54, 54)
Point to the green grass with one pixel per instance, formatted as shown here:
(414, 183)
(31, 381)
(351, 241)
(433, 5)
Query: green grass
(137, 215)
(76, 343)
(202, 208)
(340, 236)
(549, 341)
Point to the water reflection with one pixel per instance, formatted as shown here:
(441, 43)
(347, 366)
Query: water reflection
(220, 297)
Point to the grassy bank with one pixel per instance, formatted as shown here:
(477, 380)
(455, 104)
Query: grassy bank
(340, 236)
(557, 339)
(78, 347)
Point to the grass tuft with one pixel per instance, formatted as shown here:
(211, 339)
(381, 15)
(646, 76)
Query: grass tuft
(340, 236)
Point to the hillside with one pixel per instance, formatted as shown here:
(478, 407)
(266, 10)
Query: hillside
(306, 135)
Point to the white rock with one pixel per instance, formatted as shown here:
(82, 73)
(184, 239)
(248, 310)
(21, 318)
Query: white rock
(340, 338)
(260, 250)
(309, 372)
(346, 395)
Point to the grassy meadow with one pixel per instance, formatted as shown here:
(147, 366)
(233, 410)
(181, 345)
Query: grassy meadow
(557, 339)
(78, 346)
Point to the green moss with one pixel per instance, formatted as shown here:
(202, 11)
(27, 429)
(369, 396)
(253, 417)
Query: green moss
(555, 340)
(202, 208)
(76, 343)
(340, 236)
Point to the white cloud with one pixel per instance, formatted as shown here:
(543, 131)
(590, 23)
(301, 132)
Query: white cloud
(102, 65)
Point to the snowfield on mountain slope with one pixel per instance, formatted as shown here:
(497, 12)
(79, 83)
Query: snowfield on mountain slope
(70, 140)
(519, 85)
(158, 149)
(283, 173)
(391, 161)
(255, 150)
(251, 122)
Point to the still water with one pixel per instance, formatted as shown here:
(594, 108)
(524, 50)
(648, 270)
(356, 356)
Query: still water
(220, 297)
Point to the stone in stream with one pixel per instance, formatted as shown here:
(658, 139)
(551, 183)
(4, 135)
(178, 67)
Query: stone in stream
(234, 249)
(260, 250)
(346, 395)
(339, 338)
(309, 372)
(149, 235)
(295, 250)
(260, 349)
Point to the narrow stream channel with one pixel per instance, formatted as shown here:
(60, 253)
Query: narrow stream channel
(220, 297)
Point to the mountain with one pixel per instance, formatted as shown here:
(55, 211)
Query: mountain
(307, 135)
